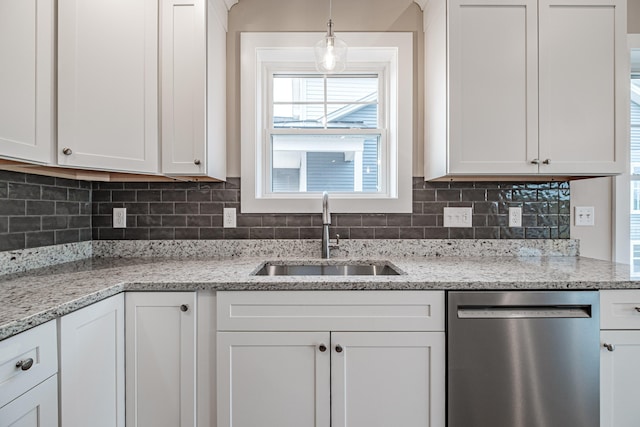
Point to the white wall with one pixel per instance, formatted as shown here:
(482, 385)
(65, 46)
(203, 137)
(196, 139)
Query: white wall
(390, 15)
(598, 241)
(312, 15)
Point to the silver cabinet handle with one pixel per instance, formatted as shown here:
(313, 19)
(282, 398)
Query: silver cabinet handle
(184, 307)
(322, 348)
(67, 151)
(339, 348)
(547, 161)
(609, 347)
(25, 365)
(196, 162)
(535, 162)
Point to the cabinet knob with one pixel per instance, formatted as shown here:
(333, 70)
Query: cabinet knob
(547, 161)
(609, 347)
(196, 162)
(322, 348)
(339, 348)
(67, 151)
(184, 307)
(535, 162)
(25, 365)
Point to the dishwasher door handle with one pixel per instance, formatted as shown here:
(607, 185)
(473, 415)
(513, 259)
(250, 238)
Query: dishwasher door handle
(524, 312)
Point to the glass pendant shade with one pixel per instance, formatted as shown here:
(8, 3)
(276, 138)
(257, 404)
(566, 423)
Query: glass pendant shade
(331, 53)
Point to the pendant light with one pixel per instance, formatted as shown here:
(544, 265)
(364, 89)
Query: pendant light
(331, 52)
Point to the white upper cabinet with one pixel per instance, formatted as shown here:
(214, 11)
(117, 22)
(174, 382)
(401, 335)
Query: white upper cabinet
(583, 85)
(27, 80)
(193, 59)
(108, 84)
(493, 68)
(522, 87)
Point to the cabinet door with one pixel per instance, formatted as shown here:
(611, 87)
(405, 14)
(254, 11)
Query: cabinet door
(36, 408)
(493, 86)
(92, 365)
(108, 84)
(381, 379)
(619, 379)
(160, 358)
(583, 85)
(27, 80)
(273, 379)
(183, 70)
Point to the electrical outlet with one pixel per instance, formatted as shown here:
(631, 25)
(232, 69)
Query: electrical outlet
(584, 216)
(229, 218)
(458, 217)
(515, 216)
(119, 217)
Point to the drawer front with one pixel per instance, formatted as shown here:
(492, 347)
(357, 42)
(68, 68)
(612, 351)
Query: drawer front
(620, 309)
(331, 311)
(38, 347)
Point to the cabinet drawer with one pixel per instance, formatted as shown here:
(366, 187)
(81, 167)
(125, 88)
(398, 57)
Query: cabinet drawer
(38, 345)
(331, 311)
(620, 309)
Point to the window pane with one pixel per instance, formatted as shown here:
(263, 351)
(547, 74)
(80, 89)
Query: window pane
(298, 89)
(298, 116)
(315, 163)
(352, 89)
(352, 116)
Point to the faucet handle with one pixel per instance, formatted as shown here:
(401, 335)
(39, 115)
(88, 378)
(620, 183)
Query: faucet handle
(337, 243)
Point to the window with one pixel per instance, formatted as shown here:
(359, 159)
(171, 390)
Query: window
(305, 156)
(304, 132)
(635, 174)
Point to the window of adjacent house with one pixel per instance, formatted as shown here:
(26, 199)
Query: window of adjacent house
(304, 132)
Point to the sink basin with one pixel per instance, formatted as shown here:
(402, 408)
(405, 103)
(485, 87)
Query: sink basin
(327, 269)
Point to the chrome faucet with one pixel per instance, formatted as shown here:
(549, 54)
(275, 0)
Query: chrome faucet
(326, 221)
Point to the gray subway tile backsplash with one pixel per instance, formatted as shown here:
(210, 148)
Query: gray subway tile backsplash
(40, 211)
(194, 211)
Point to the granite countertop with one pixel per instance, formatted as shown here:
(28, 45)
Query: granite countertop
(31, 298)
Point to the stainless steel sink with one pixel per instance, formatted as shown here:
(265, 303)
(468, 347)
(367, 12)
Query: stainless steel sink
(327, 269)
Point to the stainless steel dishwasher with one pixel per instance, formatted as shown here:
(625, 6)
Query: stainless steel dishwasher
(523, 359)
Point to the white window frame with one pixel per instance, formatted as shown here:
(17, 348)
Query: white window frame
(622, 192)
(390, 54)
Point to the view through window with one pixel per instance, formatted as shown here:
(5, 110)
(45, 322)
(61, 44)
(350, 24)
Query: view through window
(635, 175)
(326, 133)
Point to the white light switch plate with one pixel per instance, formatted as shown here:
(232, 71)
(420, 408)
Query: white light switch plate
(584, 216)
(458, 217)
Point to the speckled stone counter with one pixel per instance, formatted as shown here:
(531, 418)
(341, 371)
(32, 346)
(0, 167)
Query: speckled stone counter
(32, 298)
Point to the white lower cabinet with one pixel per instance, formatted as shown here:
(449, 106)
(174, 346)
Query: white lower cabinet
(387, 379)
(28, 380)
(343, 377)
(619, 358)
(273, 379)
(619, 378)
(36, 408)
(92, 365)
(161, 359)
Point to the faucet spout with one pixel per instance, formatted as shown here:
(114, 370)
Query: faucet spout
(326, 221)
(326, 214)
